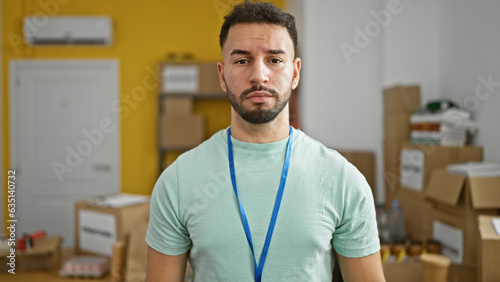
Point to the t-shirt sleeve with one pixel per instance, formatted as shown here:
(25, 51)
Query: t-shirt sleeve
(166, 233)
(357, 234)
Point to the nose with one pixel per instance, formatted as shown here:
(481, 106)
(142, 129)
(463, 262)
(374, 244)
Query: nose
(260, 73)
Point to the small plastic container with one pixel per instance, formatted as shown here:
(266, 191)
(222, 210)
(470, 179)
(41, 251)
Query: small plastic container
(396, 222)
(433, 247)
(434, 267)
(85, 266)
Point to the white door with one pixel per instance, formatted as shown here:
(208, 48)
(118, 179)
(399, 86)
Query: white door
(64, 132)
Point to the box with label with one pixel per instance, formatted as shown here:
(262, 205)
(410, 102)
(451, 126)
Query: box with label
(181, 131)
(419, 160)
(416, 164)
(459, 200)
(489, 248)
(194, 78)
(101, 221)
(401, 99)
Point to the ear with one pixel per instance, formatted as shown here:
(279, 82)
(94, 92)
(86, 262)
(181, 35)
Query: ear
(296, 72)
(222, 79)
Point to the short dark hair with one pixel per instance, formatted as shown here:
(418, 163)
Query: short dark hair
(258, 12)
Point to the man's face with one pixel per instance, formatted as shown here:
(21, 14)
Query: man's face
(259, 70)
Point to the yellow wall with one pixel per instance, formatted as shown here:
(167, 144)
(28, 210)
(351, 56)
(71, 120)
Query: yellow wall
(144, 32)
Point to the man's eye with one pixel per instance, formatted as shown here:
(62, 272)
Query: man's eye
(276, 61)
(241, 62)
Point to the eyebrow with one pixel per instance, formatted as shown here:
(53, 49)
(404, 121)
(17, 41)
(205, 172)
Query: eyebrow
(245, 52)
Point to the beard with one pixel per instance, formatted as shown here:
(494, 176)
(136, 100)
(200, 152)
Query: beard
(259, 115)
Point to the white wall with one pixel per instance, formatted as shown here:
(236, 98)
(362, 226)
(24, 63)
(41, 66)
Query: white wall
(411, 47)
(446, 46)
(340, 101)
(470, 51)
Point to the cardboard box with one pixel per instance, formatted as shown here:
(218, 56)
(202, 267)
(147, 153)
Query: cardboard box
(45, 255)
(489, 250)
(180, 132)
(401, 99)
(464, 193)
(177, 106)
(459, 202)
(195, 78)
(99, 224)
(419, 160)
(397, 127)
(411, 271)
(365, 162)
(403, 271)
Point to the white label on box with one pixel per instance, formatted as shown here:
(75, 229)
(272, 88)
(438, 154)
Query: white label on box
(96, 231)
(496, 225)
(180, 79)
(452, 240)
(412, 169)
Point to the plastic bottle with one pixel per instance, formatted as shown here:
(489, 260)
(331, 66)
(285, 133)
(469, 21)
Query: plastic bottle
(396, 222)
(383, 225)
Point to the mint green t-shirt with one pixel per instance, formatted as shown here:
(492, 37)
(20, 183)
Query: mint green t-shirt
(327, 204)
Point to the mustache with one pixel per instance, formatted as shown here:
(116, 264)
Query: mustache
(259, 88)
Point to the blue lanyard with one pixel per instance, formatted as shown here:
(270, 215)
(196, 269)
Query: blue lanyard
(272, 223)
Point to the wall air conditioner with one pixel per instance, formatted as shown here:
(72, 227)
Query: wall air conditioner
(68, 30)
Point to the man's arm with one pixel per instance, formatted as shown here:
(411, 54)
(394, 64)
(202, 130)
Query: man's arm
(165, 268)
(367, 268)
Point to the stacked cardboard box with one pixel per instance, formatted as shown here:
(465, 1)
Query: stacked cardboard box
(179, 128)
(436, 204)
(418, 193)
(460, 200)
(399, 103)
(418, 161)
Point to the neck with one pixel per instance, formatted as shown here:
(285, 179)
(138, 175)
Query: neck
(273, 131)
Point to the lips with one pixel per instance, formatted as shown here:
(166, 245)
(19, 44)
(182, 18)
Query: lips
(259, 97)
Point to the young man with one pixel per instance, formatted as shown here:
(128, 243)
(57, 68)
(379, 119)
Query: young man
(261, 193)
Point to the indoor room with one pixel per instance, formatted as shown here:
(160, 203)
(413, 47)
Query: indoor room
(111, 113)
